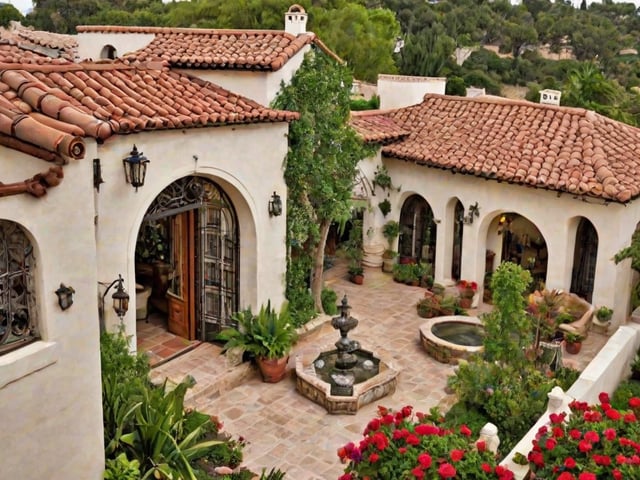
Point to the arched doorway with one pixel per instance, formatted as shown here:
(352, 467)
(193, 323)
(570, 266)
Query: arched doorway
(417, 240)
(458, 228)
(584, 260)
(523, 244)
(187, 252)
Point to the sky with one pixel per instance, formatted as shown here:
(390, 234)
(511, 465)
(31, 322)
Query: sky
(23, 5)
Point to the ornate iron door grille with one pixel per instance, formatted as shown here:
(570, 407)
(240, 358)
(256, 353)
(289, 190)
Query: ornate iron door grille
(18, 324)
(217, 259)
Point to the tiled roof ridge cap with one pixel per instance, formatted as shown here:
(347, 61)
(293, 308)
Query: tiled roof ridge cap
(512, 101)
(407, 78)
(372, 113)
(202, 31)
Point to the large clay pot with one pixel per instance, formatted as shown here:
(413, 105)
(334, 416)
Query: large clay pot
(465, 302)
(273, 369)
(573, 347)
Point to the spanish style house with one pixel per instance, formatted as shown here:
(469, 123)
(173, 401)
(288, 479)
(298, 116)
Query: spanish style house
(488, 179)
(198, 236)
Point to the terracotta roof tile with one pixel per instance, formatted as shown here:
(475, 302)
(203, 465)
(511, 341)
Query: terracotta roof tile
(563, 149)
(224, 49)
(377, 126)
(46, 44)
(45, 110)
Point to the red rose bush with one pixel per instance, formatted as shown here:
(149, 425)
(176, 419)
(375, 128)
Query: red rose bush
(401, 445)
(592, 442)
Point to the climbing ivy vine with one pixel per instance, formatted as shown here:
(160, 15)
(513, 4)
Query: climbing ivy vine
(320, 170)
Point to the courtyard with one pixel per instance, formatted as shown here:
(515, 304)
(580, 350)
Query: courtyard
(284, 429)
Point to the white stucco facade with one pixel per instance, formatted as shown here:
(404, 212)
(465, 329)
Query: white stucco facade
(246, 161)
(50, 393)
(91, 44)
(555, 216)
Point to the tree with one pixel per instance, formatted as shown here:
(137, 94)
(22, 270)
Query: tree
(427, 53)
(320, 168)
(9, 13)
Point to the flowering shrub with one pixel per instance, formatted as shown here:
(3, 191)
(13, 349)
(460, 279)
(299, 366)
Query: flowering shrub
(400, 445)
(594, 442)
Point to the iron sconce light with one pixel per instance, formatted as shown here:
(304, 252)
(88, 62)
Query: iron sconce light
(65, 296)
(135, 168)
(474, 211)
(120, 297)
(275, 205)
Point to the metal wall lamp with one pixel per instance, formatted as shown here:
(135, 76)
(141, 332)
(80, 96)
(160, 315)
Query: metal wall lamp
(474, 211)
(135, 168)
(275, 205)
(120, 297)
(65, 296)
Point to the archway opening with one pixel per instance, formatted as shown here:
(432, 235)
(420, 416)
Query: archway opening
(522, 243)
(417, 239)
(187, 263)
(585, 254)
(458, 229)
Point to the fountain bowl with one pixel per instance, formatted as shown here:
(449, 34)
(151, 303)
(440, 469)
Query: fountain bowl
(451, 338)
(310, 384)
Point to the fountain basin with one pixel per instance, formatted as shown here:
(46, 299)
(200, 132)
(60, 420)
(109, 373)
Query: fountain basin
(310, 384)
(451, 338)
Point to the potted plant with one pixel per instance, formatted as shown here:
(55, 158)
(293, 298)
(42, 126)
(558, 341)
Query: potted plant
(573, 342)
(390, 230)
(466, 290)
(604, 314)
(268, 336)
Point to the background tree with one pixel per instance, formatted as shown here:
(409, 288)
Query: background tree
(9, 13)
(320, 170)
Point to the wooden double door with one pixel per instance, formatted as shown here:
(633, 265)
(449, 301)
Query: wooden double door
(202, 291)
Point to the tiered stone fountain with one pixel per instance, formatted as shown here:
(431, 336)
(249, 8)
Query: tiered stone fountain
(344, 379)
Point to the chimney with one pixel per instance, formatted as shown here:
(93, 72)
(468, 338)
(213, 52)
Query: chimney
(550, 97)
(295, 20)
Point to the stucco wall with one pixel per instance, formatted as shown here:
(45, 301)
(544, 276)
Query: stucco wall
(50, 395)
(556, 216)
(398, 91)
(263, 87)
(90, 44)
(246, 161)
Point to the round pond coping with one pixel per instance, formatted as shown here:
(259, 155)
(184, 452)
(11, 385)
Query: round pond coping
(443, 350)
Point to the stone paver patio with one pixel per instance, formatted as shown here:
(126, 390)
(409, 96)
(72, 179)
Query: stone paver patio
(287, 431)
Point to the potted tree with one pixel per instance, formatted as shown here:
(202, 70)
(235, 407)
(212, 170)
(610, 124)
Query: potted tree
(573, 342)
(390, 230)
(267, 336)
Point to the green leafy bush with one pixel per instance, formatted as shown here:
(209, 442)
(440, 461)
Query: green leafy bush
(120, 468)
(329, 301)
(625, 392)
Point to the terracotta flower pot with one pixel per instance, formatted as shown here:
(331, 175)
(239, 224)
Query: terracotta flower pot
(357, 279)
(465, 302)
(273, 369)
(573, 347)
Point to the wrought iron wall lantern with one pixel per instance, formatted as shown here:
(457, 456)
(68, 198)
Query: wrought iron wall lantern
(65, 296)
(275, 205)
(135, 168)
(97, 174)
(120, 297)
(474, 211)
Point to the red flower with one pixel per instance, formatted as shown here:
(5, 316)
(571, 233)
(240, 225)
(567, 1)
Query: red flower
(613, 414)
(617, 475)
(413, 440)
(584, 446)
(569, 462)
(481, 445)
(575, 434)
(634, 402)
(417, 472)
(424, 459)
(406, 411)
(592, 436)
(446, 470)
(402, 450)
(604, 397)
(424, 429)
(587, 476)
(346, 476)
(566, 476)
(486, 468)
(464, 430)
(456, 455)
(550, 443)
(374, 457)
(610, 434)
